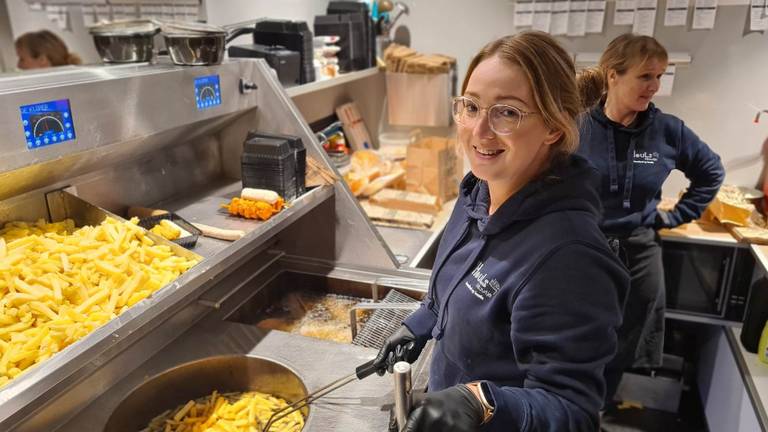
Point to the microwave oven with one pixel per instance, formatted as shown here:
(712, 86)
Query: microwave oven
(708, 281)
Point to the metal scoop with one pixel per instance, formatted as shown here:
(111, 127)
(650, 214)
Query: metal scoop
(363, 371)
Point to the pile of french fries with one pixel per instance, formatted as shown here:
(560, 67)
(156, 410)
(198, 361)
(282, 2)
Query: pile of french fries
(58, 283)
(229, 412)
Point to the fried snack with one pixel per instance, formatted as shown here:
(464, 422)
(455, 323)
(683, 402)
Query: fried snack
(167, 229)
(230, 412)
(253, 209)
(58, 283)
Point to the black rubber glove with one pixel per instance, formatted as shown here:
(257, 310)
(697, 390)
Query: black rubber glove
(454, 409)
(401, 346)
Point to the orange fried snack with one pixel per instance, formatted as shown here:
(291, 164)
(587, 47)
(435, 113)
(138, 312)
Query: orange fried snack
(253, 209)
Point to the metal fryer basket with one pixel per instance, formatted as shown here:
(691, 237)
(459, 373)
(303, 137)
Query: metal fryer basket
(387, 317)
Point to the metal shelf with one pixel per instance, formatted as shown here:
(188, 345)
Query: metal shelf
(339, 80)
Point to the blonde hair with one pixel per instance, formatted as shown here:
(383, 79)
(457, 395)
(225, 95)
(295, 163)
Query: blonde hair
(45, 43)
(550, 73)
(623, 53)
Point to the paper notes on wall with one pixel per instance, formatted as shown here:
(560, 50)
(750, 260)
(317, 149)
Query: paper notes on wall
(676, 13)
(577, 18)
(645, 17)
(624, 14)
(667, 81)
(704, 14)
(523, 13)
(559, 23)
(595, 16)
(542, 15)
(758, 15)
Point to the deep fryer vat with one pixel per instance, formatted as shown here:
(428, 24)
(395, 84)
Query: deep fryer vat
(176, 386)
(258, 308)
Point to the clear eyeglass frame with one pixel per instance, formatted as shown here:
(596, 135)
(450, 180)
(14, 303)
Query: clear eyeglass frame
(503, 119)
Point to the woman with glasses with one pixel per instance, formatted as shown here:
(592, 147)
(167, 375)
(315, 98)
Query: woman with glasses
(525, 294)
(634, 146)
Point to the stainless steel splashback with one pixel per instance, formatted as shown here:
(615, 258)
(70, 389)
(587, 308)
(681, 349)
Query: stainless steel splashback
(142, 139)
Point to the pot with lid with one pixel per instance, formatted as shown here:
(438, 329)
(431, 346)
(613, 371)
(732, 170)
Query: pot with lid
(125, 41)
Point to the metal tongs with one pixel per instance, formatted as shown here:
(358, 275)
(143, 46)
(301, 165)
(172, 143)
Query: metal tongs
(363, 371)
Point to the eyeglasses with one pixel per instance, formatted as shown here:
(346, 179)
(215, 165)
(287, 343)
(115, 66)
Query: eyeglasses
(503, 119)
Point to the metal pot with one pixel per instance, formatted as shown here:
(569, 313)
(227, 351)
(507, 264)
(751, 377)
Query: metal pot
(188, 381)
(196, 44)
(125, 41)
(194, 49)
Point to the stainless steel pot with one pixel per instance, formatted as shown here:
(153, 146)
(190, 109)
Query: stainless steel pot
(200, 378)
(196, 44)
(125, 41)
(195, 49)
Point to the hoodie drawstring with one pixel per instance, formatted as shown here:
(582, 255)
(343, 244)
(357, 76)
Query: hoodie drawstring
(630, 174)
(613, 169)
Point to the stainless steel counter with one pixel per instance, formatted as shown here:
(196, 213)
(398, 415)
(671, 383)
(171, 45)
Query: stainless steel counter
(360, 406)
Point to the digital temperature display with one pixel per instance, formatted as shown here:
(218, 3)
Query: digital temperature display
(47, 123)
(207, 92)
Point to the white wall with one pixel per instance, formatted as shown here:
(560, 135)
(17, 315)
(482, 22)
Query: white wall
(712, 94)
(223, 12)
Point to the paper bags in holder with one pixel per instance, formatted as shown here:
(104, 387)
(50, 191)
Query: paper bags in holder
(432, 166)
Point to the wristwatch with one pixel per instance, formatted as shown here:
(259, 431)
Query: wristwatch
(477, 389)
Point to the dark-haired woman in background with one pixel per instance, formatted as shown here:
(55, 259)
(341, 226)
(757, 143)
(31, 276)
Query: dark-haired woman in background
(42, 49)
(635, 146)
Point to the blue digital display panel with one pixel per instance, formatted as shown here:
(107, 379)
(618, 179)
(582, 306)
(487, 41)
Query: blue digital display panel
(47, 123)
(207, 92)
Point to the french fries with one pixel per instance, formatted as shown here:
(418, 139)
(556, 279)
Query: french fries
(228, 412)
(168, 230)
(59, 283)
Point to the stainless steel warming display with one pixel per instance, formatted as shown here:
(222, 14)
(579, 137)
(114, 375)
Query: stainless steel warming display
(86, 144)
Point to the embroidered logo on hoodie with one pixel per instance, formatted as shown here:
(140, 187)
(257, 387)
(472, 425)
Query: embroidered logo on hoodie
(646, 157)
(482, 286)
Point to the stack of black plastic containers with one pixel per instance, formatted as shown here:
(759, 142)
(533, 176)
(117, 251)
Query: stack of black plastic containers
(351, 21)
(292, 35)
(274, 162)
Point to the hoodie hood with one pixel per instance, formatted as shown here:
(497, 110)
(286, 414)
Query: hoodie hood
(642, 122)
(570, 186)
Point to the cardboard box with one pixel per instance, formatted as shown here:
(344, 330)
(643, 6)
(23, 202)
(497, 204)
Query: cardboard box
(398, 217)
(404, 200)
(432, 167)
(725, 212)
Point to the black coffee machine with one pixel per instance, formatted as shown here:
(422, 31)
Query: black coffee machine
(285, 62)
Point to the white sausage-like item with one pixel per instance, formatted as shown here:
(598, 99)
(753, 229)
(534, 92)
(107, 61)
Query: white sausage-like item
(259, 195)
(219, 233)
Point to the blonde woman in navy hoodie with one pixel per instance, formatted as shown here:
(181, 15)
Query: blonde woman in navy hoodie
(525, 295)
(635, 146)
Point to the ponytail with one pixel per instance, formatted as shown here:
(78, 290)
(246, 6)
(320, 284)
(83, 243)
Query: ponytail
(591, 84)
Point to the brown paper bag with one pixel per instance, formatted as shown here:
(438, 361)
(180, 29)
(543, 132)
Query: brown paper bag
(432, 166)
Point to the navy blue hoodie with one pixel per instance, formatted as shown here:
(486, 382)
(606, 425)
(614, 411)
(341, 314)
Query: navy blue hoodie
(656, 144)
(528, 300)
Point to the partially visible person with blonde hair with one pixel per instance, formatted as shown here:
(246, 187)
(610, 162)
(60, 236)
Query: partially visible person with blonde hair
(42, 49)
(525, 295)
(635, 146)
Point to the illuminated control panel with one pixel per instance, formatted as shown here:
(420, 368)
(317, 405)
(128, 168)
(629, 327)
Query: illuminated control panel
(47, 123)
(207, 92)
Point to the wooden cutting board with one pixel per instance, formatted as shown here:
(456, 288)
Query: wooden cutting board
(749, 234)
